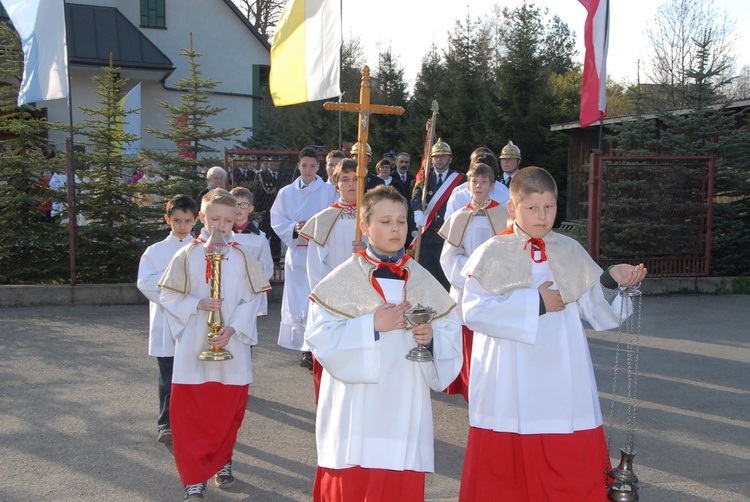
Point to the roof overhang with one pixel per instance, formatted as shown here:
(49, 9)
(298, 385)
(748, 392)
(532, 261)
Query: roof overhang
(96, 33)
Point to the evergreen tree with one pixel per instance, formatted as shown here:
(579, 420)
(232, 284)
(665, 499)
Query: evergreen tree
(467, 110)
(190, 130)
(536, 50)
(114, 227)
(428, 87)
(637, 136)
(388, 87)
(711, 129)
(26, 239)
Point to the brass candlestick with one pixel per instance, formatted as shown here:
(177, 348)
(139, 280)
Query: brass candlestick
(216, 249)
(419, 315)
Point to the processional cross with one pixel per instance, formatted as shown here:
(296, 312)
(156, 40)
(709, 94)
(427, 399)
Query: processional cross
(365, 109)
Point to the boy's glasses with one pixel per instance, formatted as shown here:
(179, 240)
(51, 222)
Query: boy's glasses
(244, 205)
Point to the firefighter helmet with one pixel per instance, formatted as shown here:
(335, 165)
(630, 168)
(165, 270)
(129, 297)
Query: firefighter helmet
(441, 148)
(355, 149)
(510, 151)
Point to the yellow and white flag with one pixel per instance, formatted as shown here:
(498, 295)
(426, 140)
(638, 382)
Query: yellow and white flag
(305, 53)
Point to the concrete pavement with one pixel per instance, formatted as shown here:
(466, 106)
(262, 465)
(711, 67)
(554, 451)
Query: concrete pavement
(78, 408)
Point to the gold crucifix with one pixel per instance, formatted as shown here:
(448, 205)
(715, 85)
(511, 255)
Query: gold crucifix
(365, 109)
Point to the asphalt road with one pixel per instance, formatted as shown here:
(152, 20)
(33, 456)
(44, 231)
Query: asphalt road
(78, 409)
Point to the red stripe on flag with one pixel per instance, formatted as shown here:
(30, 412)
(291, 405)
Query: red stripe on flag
(596, 37)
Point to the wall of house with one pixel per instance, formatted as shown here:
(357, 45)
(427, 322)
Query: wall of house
(229, 51)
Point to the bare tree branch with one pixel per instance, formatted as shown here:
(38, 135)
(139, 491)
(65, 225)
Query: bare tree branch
(263, 14)
(677, 27)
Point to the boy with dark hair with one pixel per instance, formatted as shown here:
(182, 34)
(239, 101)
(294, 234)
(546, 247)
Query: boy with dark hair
(181, 213)
(295, 204)
(374, 420)
(209, 397)
(536, 425)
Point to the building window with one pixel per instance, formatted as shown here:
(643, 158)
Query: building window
(153, 14)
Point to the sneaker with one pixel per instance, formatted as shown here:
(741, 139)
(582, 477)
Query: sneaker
(195, 492)
(224, 478)
(165, 436)
(306, 361)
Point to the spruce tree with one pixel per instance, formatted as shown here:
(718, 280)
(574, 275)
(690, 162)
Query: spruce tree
(190, 130)
(114, 228)
(710, 128)
(388, 87)
(32, 250)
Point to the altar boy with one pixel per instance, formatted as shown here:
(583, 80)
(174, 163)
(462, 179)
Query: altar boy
(209, 397)
(374, 420)
(181, 213)
(536, 426)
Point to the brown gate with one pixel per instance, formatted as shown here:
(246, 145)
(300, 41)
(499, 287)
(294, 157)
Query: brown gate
(654, 210)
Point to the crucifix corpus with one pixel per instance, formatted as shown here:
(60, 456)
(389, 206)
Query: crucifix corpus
(365, 109)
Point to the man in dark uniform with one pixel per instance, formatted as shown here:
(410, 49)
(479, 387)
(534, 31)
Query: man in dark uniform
(243, 175)
(441, 182)
(269, 183)
(372, 181)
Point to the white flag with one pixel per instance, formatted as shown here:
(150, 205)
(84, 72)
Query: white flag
(45, 53)
(131, 105)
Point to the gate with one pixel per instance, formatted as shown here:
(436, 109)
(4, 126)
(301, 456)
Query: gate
(652, 210)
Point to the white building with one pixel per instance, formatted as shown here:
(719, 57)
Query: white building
(145, 39)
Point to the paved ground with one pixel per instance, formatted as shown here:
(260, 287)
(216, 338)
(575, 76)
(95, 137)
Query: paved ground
(78, 402)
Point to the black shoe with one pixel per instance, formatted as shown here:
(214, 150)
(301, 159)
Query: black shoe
(306, 361)
(224, 478)
(195, 492)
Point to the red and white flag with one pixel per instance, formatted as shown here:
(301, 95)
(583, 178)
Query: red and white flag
(596, 36)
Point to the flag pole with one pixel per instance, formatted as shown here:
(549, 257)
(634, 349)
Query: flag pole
(601, 130)
(70, 166)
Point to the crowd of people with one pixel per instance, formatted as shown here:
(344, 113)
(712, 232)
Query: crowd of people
(476, 250)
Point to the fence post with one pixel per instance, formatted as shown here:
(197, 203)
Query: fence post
(595, 178)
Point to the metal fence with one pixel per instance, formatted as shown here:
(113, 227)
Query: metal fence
(652, 210)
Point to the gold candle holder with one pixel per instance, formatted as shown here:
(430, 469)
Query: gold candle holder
(216, 249)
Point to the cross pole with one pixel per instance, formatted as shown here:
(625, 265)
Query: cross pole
(365, 109)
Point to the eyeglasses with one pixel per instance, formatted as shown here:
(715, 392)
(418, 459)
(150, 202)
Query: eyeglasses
(244, 205)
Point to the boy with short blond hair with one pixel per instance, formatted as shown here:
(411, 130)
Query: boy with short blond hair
(181, 213)
(374, 419)
(536, 426)
(248, 235)
(209, 397)
(464, 231)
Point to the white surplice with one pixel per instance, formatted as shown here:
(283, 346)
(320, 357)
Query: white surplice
(259, 248)
(532, 374)
(294, 204)
(374, 409)
(154, 262)
(189, 328)
(462, 196)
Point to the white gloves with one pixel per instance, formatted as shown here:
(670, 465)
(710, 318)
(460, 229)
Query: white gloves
(419, 218)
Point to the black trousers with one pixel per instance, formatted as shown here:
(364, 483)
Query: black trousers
(165, 391)
(429, 257)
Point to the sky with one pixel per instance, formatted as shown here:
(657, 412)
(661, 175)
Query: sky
(410, 27)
